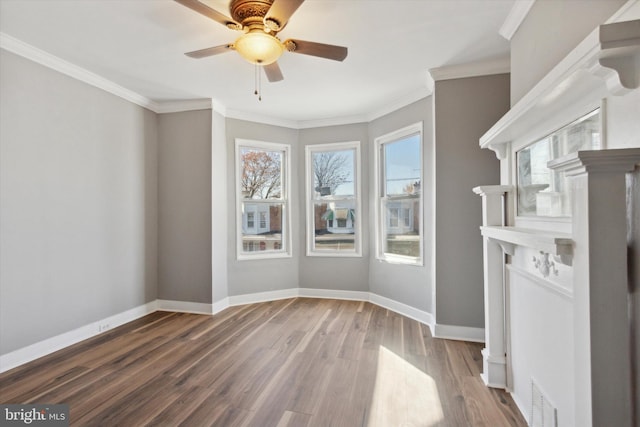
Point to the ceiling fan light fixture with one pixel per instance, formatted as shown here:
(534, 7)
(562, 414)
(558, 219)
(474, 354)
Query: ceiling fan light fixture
(258, 47)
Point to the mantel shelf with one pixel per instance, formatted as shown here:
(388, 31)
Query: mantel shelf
(605, 63)
(554, 243)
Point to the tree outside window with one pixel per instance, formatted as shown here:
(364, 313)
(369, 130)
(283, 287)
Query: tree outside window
(332, 178)
(262, 199)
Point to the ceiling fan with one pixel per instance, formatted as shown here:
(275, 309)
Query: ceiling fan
(261, 21)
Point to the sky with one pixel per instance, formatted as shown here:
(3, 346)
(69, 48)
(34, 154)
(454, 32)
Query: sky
(402, 163)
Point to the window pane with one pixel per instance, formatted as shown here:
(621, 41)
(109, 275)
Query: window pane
(399, 196)
(261, 174)
(265, 234)
(262, 197)
(402, 166)
(334, 225)
(544, 192)
(402, 231)
(333, 173)
(333, 194)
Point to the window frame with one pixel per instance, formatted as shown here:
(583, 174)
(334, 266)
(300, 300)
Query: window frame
(284, 200)
(381, 199)
(311, 200)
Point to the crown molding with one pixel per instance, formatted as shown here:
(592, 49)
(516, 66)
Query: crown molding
(627, 12)
(219, 108)
(517, 14)
(55, 63)
(183, 105)
(345, 120)
(472, 69)
(332, 121)
(41, 57)
(610, 53)
(399, 103)
(259, 118)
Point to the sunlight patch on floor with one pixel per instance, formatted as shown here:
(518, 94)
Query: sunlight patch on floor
(403, 395)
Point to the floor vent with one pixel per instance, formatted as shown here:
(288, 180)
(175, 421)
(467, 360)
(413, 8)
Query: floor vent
(543, 413)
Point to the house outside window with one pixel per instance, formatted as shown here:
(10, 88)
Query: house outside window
(262, 188)
(398, 162)
(333, 199)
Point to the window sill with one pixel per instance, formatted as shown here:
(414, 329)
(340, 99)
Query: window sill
(246, 257)
(318, 254)
(400, 260)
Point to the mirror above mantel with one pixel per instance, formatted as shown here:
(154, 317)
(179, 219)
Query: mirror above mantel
(606, 63)
(540, 190)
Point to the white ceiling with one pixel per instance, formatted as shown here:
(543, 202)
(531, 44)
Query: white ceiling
(139, 45)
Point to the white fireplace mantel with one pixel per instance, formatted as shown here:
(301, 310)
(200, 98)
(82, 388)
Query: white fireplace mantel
(606, 63)
(553, 243)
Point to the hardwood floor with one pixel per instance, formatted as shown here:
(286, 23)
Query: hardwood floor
(294, 362)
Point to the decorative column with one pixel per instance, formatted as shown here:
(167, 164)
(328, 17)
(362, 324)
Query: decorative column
(494, 366)
(602, 331)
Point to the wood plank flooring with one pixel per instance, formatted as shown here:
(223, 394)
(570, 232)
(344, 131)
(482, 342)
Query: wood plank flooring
(294, 362)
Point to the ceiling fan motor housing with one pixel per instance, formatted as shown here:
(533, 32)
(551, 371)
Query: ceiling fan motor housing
(250, 13)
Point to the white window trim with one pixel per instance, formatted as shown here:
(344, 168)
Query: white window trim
(285, 252)
(310, 208)
(379, 198)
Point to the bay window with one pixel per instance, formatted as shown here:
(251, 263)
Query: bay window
(398, 162)
(333, 199)
(262, 193)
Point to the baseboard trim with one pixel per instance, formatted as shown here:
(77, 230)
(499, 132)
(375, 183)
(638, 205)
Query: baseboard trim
(333, 294)
(460, 333)
(185, 306)
(398, 307)
(404, 309)
(524, 408)
(42, 348)
(218, 306)
(27, 354)
(263, 296)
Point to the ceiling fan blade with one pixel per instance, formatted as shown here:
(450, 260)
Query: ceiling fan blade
(280, 12)
(328, 51)
(273, 72)
(205, 10)
(210, 51)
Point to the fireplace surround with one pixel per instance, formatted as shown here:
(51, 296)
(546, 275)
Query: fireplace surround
(558, 273)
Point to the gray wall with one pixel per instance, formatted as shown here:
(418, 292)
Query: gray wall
(253, 276)
(78, 197)
(464, 110)
(408, 284)
(107, 206)
(350, 274)
(184, 206)
(550, 31)
(219, 215)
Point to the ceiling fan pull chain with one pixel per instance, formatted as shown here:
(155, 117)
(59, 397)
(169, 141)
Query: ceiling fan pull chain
(259, 83)
(255, 79)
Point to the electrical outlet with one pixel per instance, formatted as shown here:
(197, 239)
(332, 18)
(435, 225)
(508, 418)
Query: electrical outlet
(103, 327)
